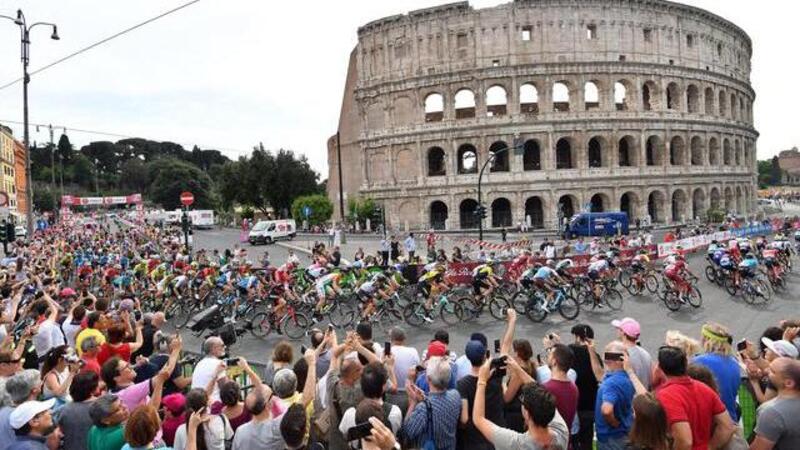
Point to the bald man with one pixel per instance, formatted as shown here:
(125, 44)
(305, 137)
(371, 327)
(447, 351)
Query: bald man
(613, 410)
(206, 368)
(152, 324)
(778, 425)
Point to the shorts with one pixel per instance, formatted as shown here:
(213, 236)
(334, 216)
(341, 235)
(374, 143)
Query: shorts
(747, 273)
(526, 283)
(541, 283)
(728, 266)
(769, 262)
(425, 288)
(478, 284)
(674, 277)
(322, 290)
(637, 267)
(594, 275)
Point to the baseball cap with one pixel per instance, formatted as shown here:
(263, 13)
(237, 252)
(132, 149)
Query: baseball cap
(174, 403)
(67, 292)
(475, 352)
(23, 413)
(436, 348)
(781, 347)
(628, 326)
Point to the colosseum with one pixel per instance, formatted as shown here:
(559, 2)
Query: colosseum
(643, 106)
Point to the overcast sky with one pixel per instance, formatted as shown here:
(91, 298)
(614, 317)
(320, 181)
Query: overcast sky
(228, 74)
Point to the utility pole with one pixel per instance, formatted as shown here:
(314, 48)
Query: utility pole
(52, 167)
(341, 186)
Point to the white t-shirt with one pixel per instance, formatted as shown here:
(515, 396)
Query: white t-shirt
(404, 359)
(217, 431)
(204, 372)
(48, 336)
(70, 330)
(349, 420)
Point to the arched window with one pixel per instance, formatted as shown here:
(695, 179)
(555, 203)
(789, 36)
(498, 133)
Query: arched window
(679, 206)
(653, 151)
(650, 95)
(534, 212)
(693, 99)
(697, 151)
(723, 104)
(496, 101)
(467, 218)
(465, 104)
(531, 158)
(676, 151)
(727, 157)
(734, 107)
(595, 152)
(597, 203)
(528, 99)
(467, 159)
(439, 215)
(713, 152)
(500, 162)
(566, 207)
(709, 95)
(655, 206)
(563, 154)
(673, 97)
(627, 152)
(436, 162)
(621, 95)
(501, 213)
(560, 97)
(591, 96)
(434, 107)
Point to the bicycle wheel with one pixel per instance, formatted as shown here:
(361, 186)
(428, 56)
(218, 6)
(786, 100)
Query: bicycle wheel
(569, 308)
(651, 283)
(451, 313)
(389, 318)
(294, 326)
(671, 300)
(635, 288)
(624, 278)
(260, 325)
(519, 301)
(711, 274)
(342, 314)
(613, 299)
(730, 288)
(414, 313)
(763, 292)
(470, 306)
(535, 310)
(694, 297)
(498, 306)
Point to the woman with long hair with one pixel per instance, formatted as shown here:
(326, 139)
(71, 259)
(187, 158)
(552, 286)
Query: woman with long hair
(649, 430)
(58, 374)
(231, 404)
(141, 428)
(213, 434)
(523, 355)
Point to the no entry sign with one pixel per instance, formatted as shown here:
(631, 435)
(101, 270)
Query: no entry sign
(187, 198)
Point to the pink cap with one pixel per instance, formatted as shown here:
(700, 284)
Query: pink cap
(628, 326)
(436, 348)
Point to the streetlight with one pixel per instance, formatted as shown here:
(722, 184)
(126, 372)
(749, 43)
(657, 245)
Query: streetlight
(518, 144)
(25, 44)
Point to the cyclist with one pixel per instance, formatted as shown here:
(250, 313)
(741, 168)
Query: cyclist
(744, 246)
(749, 266)
(327, 283)
(563, 269)
(547, 280)
(675, 271)
(371, 292)
(770, 256)
(712, 248)
(596, 271)
(483, 282)
(430, 283)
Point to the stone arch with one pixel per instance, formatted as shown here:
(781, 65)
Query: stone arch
(561, 97)
(434, 107)
(627, 154)
(409, 212)
(568, 205)
(739, 200)
(591, 95)
(564, 154)
(693, 99)
(737, 152)
(464, 104)
(501, 160)
(727, 156)
(698, 151)
(713, 152)
(654, 151)
(528, 99)
(375, 116)
(715, 197)
(466, 214)
(403, 110)
(651, 96)
(496, 101)
(709, 100)
(699, 204)
(405, 165)
(437, 165)
(438, 215)
(467, 159)
(677, 151)
(679, 205)
(734, 107)
(623, 95)
(629, 204)
(723, 104)
(673, 96)
(729, 199)
(534, 208)
(532, 155)
(656, 206)
(501, 213)
(598, 203)
(597, 152)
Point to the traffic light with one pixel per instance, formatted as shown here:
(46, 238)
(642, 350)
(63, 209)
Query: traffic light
(3, 236)
(11, 232)
(480, 211)
(185, 223)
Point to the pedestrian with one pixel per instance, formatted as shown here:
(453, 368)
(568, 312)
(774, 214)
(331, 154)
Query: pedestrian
(430, 240)
(613, 411)
(410, 245)
(385, 248)
(503, 234)
(394, 246)
(718, 357)
(778, 424)
(628, 332)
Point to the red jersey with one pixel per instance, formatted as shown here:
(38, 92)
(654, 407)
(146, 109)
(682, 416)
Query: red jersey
(675, 268)
(688, 400)
(152, 263)
(283, 275)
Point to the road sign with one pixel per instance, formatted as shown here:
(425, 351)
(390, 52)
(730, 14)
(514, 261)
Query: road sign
(187, 198)
(307, 211)
(3, 199)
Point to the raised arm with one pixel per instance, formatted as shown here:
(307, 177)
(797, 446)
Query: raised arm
(310, 388)
(637, 383)
(508, 336)
(479, 419)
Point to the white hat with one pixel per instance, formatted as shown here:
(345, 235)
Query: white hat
(781, 347)
(23, 413)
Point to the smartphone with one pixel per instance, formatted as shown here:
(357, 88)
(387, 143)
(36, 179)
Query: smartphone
(303, 349)
(359, 431)
(551, 336)
(330, 327)
(231, 362)
(497, 345)
(612, 356)
(387, 348)
(741, 345)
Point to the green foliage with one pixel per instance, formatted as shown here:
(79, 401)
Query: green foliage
(171, 177)
(248, 213)
(321, 209)
(715, 215)
(775, 179)
(44, 198)
(361, 209)
(764, 173)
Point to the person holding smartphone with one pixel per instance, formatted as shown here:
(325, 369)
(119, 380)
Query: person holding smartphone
(614, 404)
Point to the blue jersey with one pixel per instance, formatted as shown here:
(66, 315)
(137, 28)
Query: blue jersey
(248, 282)
(749, 264)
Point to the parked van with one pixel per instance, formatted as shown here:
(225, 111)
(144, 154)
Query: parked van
(202, 218)
(597, 224)
(269, 231)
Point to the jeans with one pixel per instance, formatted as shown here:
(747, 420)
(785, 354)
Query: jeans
(618, 443)
(583, 440)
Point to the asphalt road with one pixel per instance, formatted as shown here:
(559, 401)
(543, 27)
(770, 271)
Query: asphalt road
(744, 320)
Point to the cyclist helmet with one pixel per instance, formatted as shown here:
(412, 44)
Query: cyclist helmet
(357, 265)
(323, 271)
(489, 261)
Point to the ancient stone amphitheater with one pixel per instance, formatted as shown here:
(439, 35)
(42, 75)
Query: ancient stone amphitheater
(643, 106)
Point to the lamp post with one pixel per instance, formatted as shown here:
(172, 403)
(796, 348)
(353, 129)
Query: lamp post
(25, 44)
(481, 209)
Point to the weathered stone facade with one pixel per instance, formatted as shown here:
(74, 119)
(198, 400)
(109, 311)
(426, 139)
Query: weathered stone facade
(636, 105)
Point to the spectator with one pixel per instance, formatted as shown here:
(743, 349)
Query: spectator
(628, 332)
(174, 407)
(206, 369)
(115, 345)
(22, 387)
(231, 404)
(405, 359)
(93, 322)
(560, 359)
(33, 424)
(294, 428)
(374, 378)
(693, 409)
(57, 375)
(410, 245)
(48, 334)
(213, 434)
(317, 338)
(613, 413)
(282, 356)
(718, 357)
(10, 365)
(72, 324)
(457, 256)
(463, 365)
(285, 385)
(522, 354)
(442, 403)
(263, 431)
(649, 430)
(142, 427)
(381, 437)
(588, 369)
(436, 348)
(469, 437)
(364, 332)
(108, 413)
(394, 246)
(177, 382)
(545, 427)
(778, 425)
(152, 323)
(74, 419)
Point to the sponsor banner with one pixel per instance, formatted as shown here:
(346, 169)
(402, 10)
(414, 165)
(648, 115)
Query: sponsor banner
(69, 200)
(695, 243)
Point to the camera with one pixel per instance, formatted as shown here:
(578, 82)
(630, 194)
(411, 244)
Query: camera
(72, 358)
(499, 362)
(231, 362)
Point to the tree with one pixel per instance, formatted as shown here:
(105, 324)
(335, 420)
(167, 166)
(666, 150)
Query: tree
(775, 172)
(256, 179)
(229, 185)
(764, 173)
(65, 148)
(291, 177)
(133, 175)
(43, 197)
(360, 209)
(321, 208)
(171, 176)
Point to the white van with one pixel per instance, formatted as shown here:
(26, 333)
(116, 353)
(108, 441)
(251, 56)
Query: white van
(202, 218)
(269, 231)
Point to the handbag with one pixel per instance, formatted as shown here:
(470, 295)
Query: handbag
(429, 443)
(325, 420)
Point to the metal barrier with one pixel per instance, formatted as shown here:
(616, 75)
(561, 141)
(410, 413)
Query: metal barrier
(234, 373)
